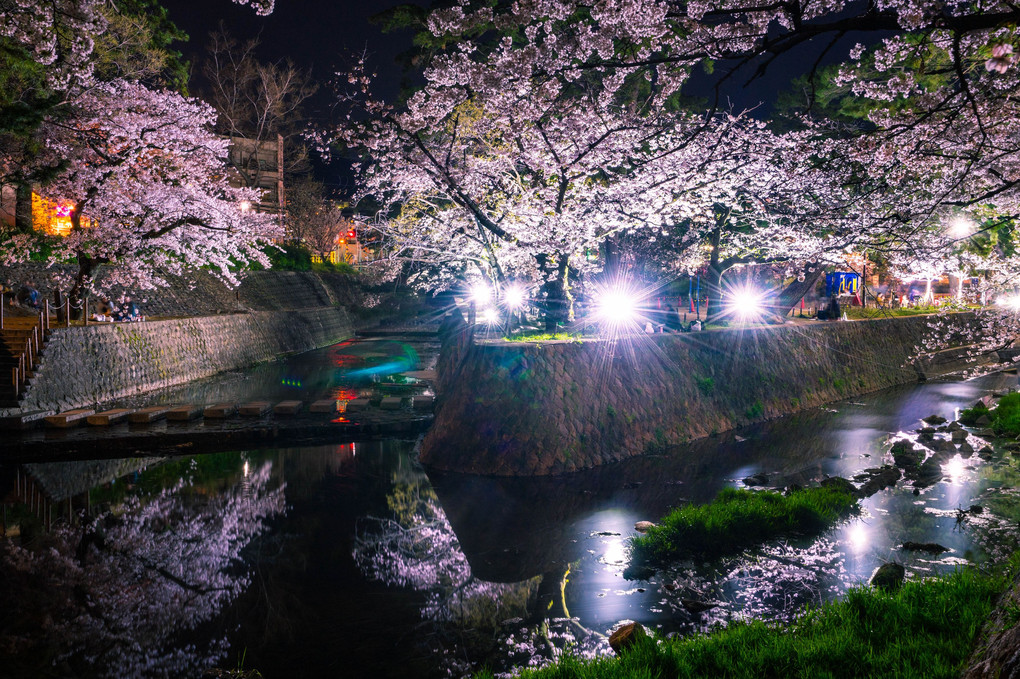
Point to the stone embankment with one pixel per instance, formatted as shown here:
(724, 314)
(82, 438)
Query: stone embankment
(272, 313)
(554, 407)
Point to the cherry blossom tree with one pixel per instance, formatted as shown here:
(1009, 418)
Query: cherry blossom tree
(940, 133)
(150, 192)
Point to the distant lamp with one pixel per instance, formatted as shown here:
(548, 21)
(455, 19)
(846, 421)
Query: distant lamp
(481, 294)
(746, 303)
(514, 297)
(245, 206)
(961, 227)
(490, 316)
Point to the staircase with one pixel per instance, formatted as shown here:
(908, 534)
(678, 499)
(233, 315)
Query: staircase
(22, 339)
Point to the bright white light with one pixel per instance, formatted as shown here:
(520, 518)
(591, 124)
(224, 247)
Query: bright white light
(746, 303)
(481, 293)
(857, 535)
(1011, 301)
(616, 307)
(961, 227)
(245, 206)
(956, 470)
(514, 297)
(490, 316)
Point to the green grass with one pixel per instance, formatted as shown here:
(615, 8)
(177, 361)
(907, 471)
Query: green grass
(970, 416)
(926, 630)
(1006, 415)
(545, 337)
(738, 519)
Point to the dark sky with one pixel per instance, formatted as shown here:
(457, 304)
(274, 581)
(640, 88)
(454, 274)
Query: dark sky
(320, 35)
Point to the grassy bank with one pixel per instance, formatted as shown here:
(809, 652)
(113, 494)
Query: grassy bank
(925, 630)
(738, 519)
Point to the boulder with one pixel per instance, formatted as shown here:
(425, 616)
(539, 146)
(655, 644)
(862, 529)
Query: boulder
(888, 577)
(926, 433)
(626, 636)
(907, 457)
(839, 483)
(696, 606)
(983, 421)
(756, 480)
(930, 547)
(643, 526)
(966, 450)
(934, 419)
(959, 436)
(877, 479)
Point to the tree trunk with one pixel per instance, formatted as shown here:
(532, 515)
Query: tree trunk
(713, 293)
(787, 299)
(23, 208)
(559, 301)
(76, 297)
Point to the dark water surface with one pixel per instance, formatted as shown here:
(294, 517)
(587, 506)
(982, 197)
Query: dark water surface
(350, 560)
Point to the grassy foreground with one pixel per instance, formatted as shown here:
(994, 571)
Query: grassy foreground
(738, 519)
(925, 630)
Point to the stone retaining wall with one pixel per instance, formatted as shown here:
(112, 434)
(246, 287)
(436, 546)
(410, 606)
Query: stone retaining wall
(88, 365)
(534, 409)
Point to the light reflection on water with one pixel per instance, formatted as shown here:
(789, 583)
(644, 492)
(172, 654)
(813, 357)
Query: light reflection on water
(377, 569)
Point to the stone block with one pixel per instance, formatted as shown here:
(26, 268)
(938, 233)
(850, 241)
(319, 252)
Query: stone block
(108, 417)
(358, 404)
(323, 406)
(287, 407)
(391, 403)
(255, 409)
(423, 403)
(184, 413)
(24, 420)
(220, 411)
(69, 418)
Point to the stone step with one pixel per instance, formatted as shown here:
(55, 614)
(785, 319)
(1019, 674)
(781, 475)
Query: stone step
(423, 403)
(184, 413)
(69, 418)
(24, 420)
(147, 415)
(108, 417)
(391, 403)
(255, 409)
(221, 411)
(357, 404)
(323, 406)
(287, 407)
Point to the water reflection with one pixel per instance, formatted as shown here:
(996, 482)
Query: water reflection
(127, 591)
(377, 569)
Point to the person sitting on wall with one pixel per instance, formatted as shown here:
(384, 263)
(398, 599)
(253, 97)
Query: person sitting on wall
(126, 311)
(28, 295)
(104, 310)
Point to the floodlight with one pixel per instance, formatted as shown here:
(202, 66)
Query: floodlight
(616, 307)
(746, 303)
(481, 293)
(490, 316)
(514, 297)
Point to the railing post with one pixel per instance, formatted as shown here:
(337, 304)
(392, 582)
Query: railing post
(1, 310)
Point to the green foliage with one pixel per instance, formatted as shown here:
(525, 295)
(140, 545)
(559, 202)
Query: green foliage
(1006, 416)
(290, 257)
(706, 385)
(546, 337)
(738, 519)
(970, 416)
(755, 410)
(926, 630)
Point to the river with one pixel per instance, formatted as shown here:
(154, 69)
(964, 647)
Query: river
(351, 560)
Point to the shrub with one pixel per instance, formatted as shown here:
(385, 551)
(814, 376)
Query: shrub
(1006, 416)
(738, 519)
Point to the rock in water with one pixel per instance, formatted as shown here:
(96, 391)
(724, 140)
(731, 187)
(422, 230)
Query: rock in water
(757, 480)
(930, 547)
(626, 636)
(696, 606)
(643, 526)
(888, 576)
(935, 419)
(839, 483)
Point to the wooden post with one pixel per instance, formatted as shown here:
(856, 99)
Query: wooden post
(85, 310)
(1, 310)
